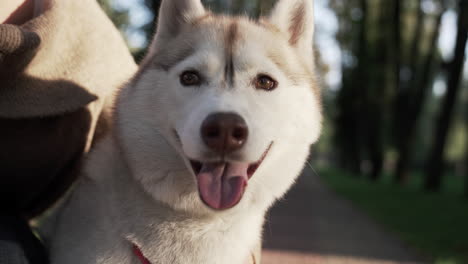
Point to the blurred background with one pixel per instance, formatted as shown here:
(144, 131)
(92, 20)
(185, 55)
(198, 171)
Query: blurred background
(395, 93)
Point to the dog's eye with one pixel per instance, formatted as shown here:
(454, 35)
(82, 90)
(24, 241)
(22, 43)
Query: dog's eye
(190, 78)
(265, 82)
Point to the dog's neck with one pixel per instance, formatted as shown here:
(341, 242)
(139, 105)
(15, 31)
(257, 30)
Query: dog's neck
(204, 241)
(157, 228)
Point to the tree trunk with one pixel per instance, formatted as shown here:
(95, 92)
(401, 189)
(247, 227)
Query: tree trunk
(381, 79)
(415, 105)
(466, 151)
(466, 171)
(347, 132)
(415, 46)
(397, 43)
(349, 123)
(401, 120)
(436, 160)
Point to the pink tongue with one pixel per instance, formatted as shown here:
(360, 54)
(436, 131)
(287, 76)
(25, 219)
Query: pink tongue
(222, 185)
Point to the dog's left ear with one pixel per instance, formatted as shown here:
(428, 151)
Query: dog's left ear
(175, 14)
(296, 19)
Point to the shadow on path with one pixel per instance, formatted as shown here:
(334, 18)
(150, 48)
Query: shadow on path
(313, 225)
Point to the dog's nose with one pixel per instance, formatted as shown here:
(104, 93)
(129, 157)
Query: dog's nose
(224, 132)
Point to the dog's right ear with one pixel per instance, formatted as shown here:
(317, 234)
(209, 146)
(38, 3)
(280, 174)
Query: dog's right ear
(295, 18)
(174, 15)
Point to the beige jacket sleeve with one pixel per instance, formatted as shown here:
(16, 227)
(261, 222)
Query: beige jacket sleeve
(58, 75)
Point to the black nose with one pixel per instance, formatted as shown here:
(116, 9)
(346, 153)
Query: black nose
(224, 132)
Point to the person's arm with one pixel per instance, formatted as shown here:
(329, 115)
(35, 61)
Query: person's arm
(16, 12)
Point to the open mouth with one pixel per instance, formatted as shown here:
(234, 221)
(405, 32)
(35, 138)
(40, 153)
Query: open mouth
(221, 185)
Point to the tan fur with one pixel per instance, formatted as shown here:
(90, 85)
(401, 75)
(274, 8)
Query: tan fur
(201, 19)
(231, 38)
(297, 23)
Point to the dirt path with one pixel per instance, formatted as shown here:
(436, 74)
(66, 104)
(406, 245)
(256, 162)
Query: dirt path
(313, 225)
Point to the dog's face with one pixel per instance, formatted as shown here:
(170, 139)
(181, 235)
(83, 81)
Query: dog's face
(223, 111)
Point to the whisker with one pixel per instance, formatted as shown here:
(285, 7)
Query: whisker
(313, 170)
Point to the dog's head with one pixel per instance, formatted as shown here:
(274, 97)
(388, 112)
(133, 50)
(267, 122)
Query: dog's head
(224, 109)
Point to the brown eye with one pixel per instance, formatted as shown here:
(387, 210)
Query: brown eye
(265, 82)
(190, 78)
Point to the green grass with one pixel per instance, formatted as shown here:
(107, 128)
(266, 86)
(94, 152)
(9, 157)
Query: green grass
(436, 224)
(451, 184)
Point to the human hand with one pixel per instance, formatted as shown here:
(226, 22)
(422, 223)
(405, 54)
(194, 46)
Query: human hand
(16, 12)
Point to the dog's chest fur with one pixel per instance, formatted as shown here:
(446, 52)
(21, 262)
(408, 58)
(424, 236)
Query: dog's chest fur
(216, 241)
(109, 212)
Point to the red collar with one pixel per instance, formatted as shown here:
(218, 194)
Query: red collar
(137, 252)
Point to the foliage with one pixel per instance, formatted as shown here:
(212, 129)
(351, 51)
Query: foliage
(120, 18)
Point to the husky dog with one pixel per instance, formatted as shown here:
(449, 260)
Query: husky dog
(215, 127)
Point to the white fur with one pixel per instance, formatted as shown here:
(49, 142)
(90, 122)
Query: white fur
(138, 186)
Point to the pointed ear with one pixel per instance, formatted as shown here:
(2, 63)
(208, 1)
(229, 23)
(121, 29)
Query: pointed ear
(296, 19)
(174, 14)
